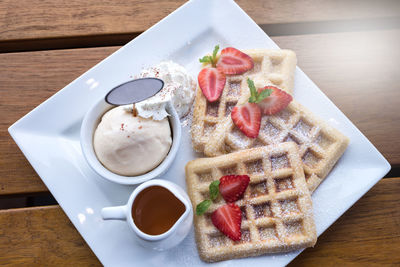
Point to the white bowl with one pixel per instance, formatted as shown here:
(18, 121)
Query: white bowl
(88, 127)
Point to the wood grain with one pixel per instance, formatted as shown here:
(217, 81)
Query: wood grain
(27, 79)
(39, 19)
(41, 236)
(366, 235)
(369, 233)
(358, 71)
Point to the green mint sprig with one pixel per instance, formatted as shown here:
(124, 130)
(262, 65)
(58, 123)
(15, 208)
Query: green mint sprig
(214, 189)
(255, 96)
(211, 59)
(203, 207)
(205, 204)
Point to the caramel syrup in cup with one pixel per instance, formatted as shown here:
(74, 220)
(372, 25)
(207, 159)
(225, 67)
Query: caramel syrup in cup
(155, 210)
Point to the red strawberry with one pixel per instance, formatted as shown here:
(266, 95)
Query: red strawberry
(277, 101)
(233, 61)
(211, 82)
(247, 118)
(232, 187)
(228, 219)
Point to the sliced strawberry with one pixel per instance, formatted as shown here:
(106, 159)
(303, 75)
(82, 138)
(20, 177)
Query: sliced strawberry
(211, 82)
(233, 61)
(232, 187)
(277, 101)
(228, 220)
(247, 118)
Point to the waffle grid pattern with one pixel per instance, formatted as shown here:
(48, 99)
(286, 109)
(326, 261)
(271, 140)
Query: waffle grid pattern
(276, 207)
(271, 67)
(320, 145)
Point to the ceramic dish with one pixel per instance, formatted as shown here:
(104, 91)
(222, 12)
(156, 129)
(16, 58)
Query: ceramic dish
(89, 124)
(49, 137)
(163, 241)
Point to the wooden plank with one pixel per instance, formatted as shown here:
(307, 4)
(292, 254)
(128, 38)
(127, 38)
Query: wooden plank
(27, 79)
(41, 237)
(39, 19)
(358, 72)
(367, 233)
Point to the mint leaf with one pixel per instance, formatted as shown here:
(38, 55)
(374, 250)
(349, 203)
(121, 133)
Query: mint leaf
(206, 59)
(203, 207)
(214, 56)
(214, 189)
(252, 99)
(211, 59)
(263, 94)
(255, 96)
(253, 91)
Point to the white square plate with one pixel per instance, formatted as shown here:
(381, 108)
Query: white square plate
(49, 136)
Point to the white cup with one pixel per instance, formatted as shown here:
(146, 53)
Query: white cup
(166, 240)
(89, 125)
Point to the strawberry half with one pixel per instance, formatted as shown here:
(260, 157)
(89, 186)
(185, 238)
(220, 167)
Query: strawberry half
(211, 82)
(228, 220)
(233, 61)
(247, 118)
(277, 101)
(232, 187)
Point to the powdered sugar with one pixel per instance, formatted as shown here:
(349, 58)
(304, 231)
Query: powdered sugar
(179, 89)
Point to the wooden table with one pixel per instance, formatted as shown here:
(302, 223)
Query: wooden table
(350, 49)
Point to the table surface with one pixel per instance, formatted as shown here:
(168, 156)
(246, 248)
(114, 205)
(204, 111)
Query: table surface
(350, 49)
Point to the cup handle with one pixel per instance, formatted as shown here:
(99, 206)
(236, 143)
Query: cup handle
(114, 213)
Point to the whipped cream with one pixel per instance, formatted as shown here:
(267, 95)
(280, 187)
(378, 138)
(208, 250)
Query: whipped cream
(179, 88)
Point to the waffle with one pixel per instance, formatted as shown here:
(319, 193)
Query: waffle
(320, 145)
(271, 67)
(276, 207)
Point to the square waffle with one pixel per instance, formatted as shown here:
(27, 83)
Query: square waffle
(320, 145)
(271, 67)
(277, 213)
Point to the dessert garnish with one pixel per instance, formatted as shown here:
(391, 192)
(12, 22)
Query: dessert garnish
(203, 206)
(211, 80)
(247, 118)
(213, 192)
(214, 189)
(275, 102)
(211, 59)
(233, 61)
(232, 187)
(212, 83)
(256, 96)
(179, 90)
(268, 100)
(228, 220)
